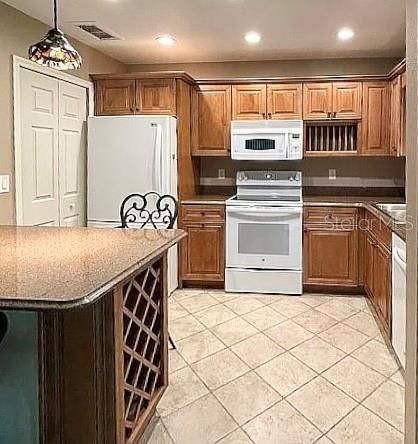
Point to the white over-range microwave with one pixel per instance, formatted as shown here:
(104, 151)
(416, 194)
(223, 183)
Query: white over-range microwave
(267, 139)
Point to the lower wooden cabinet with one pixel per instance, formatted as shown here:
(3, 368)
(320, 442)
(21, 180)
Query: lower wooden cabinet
(331, 256)
(202, 253)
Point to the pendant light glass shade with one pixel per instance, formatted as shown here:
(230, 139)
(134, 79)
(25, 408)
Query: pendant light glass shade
(54, 50)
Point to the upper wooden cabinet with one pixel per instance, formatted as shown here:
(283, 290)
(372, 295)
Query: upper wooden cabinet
(279, 101)
(284, 101)
(115, 97)
(317, 101)
(397, 115)
(375, 124)
(128, 96)
(211, 120)
(339, 100)
(249, 102)
(156, 96)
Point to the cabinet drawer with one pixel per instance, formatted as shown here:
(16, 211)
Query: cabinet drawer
(330, 215)
(379, 230)
(203, 213)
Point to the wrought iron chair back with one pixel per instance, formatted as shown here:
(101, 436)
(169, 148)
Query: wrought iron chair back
(149, 210)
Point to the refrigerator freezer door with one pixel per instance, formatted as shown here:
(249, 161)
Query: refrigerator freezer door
(129, 154)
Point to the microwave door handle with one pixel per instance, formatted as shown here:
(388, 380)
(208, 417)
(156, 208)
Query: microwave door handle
(398, 259)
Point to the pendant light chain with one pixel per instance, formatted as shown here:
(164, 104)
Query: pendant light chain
(55, 15)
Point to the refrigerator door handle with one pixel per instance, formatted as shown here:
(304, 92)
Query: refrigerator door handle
(158, 158)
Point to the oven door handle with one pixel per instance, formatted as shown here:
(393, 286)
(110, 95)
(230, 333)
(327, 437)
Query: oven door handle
(258, 211)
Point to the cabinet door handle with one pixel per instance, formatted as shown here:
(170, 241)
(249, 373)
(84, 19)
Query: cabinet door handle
(329, 115)
(264, 115)
(270, 115)
(335, 114)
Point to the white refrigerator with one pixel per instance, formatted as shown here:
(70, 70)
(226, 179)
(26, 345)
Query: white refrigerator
(130, 154)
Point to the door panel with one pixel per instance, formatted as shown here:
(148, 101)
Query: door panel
(347, 100)
(317, 101)
(375, 123)
(39, 149)
(331, 256)
(284, 101)
(156, 96)
(395, 116)
(249, 102)
(211, 111)
(382, 281)
(115, 97)
(72, 154)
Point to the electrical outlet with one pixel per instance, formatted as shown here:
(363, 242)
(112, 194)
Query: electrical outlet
(4, 184)
(221, 173)
(332, 174)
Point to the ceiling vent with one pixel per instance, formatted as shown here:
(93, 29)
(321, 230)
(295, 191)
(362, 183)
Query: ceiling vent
(96, 31)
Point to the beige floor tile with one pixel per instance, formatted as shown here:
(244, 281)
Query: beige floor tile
(198, 303)
(317, 354)
(237, 437)
(354, 378)
(257, 350)
(220, 368)
(215, 315)
(344, 337)
(338, 309)
(288, 334)
(285, 373)
(314, 321)
(199, 346)
(178, 295)
(204, 421)
(281, 424)
(160, 435)
(246, 397)
(176, 362)
(175, 311)
(313, 300)
(244, 304)
(324, 440)
(377, 356)
(264, 318)
(363, 427)
(399, 379)
(184, 327)
(234, 331)
(359, 302)
(322, 403)
(267, 299)
(364, 323)
(290, 306)
(184, 388)
(388, 402)
(223, 296)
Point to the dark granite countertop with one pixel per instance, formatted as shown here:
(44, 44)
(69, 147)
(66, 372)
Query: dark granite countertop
(62, 268)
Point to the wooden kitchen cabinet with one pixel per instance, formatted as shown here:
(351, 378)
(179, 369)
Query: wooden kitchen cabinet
(397, 115)
(284, 101)
(375, 124)
(203, 251)
(317, 101)
(211, 120)
(249, 102)
(129, 96)
(331, 256)
(346, 99)
(328, 100)
(115, 97)
(382, 266)
(156, 96)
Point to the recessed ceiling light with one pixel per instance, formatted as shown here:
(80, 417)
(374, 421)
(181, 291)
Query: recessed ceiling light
(345, 34)
(252, 37)
(166, 40)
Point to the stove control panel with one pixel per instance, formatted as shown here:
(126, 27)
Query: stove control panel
(277, 178)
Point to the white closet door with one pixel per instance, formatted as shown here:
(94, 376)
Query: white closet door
(39, 149)
(72, 154)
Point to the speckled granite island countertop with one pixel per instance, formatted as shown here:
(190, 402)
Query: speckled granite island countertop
(61, 268)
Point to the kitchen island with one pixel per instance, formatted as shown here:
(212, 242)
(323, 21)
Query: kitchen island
(97, 306)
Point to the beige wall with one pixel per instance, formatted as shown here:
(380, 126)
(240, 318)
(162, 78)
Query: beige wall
(17, 32)
(277, 68)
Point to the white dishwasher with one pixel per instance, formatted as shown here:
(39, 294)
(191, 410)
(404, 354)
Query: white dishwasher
(399, 297)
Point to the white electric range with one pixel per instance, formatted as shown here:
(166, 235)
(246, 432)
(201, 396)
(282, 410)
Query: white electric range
(264, 233)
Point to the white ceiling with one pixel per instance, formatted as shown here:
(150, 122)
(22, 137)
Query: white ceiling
(212, 30)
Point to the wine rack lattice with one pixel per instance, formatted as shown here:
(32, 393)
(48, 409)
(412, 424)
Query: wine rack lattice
(142, 344)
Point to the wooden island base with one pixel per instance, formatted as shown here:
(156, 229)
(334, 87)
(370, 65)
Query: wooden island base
(104, 367)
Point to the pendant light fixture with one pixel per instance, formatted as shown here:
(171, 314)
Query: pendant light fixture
(54, 50)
